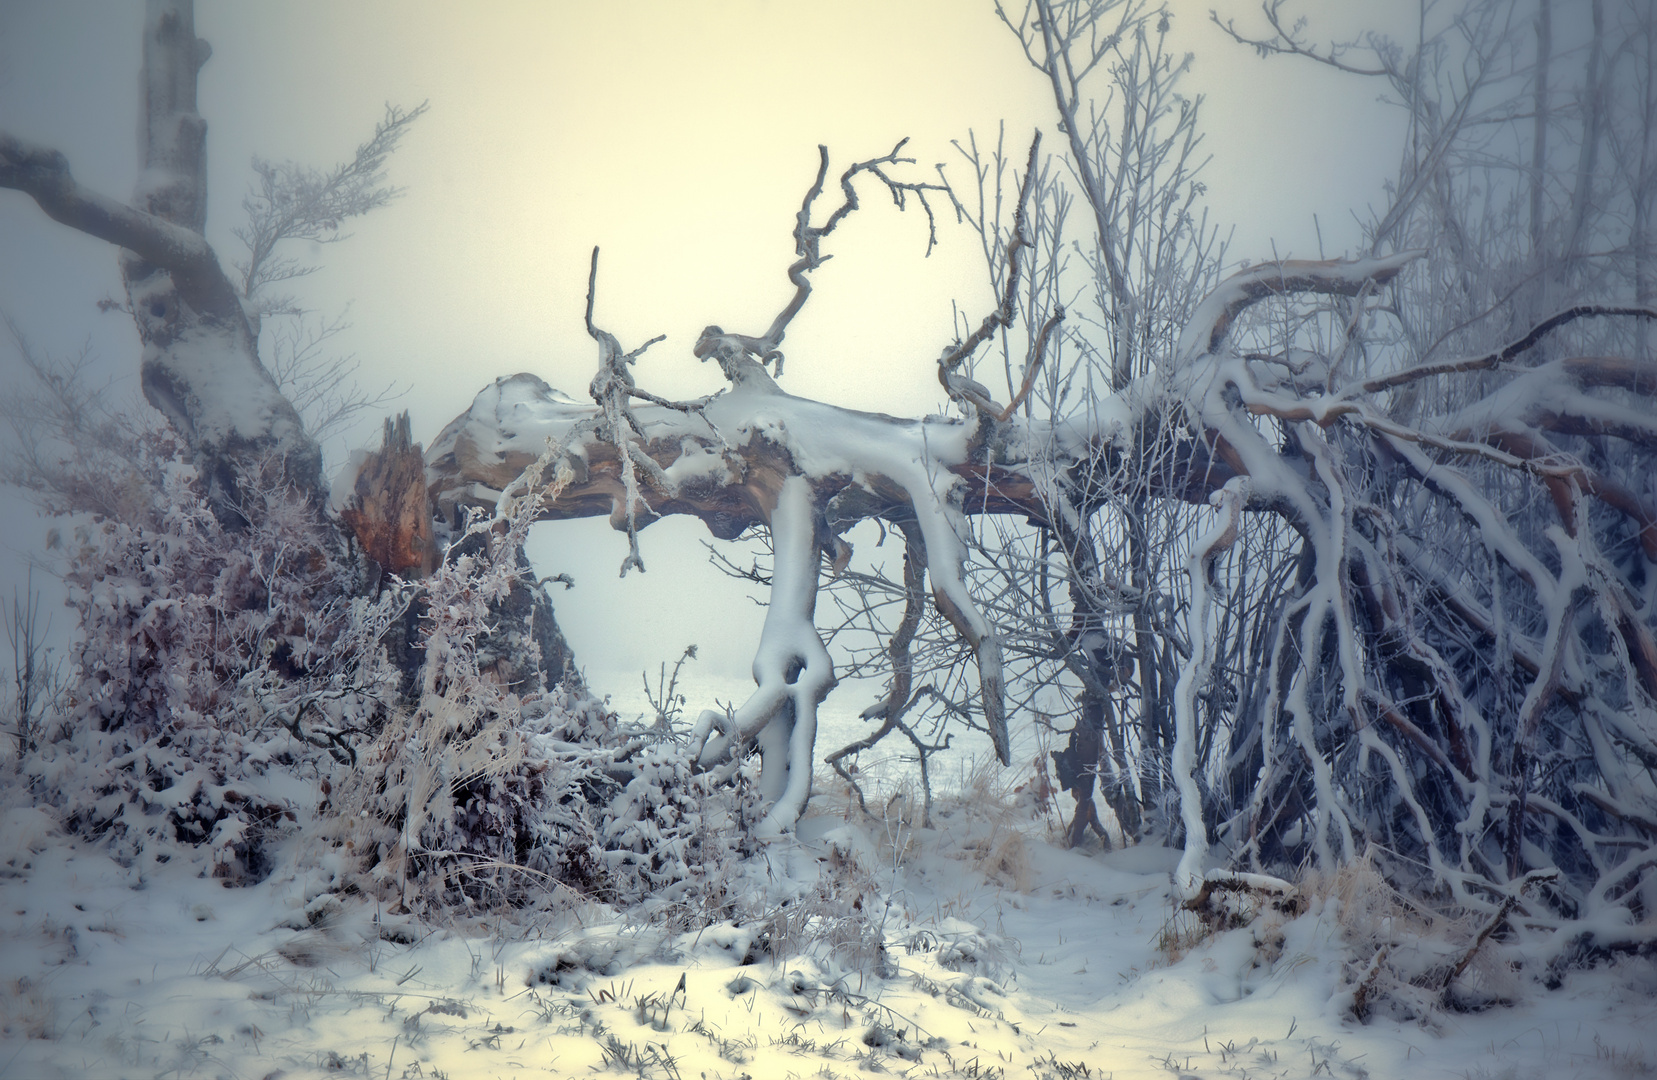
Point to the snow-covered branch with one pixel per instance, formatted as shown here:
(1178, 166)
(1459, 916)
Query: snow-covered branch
(44, 175)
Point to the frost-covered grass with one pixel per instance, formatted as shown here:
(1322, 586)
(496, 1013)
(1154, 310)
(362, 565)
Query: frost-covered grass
(869, 946)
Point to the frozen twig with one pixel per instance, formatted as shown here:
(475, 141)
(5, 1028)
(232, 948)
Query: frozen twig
(613, 389)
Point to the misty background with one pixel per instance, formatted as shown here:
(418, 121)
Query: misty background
(680, 138)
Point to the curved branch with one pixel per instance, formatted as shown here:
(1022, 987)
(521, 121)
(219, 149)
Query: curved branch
(1209, 324)
(1284, 43)
(43, 174)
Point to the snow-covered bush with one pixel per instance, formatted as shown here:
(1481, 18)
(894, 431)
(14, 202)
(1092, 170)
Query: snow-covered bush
(477, 793)
(218, 668)
(233, 685)
(670, 832)
(447, 801)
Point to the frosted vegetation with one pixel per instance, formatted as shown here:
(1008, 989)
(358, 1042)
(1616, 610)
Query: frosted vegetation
(1325, 588)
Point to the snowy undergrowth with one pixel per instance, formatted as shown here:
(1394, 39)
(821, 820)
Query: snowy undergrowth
(219, 672)
(233, 697)
(470, 881)
(868, 945)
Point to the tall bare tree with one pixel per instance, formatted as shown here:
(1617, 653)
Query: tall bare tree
(200, 364)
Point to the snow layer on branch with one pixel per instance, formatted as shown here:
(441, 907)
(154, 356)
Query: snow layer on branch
(1208, 325)
(519, 414)
(1194, 675)
(792, 668)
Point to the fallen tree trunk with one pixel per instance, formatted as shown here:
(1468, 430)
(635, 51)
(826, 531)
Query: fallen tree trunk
(734, 459)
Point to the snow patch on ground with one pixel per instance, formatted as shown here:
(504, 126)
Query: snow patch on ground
(990, 953)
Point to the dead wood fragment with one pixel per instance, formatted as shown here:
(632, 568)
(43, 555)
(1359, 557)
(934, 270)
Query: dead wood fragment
(1217, 899)
(389, 512)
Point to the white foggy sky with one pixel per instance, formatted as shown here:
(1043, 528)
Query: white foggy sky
(677, 136)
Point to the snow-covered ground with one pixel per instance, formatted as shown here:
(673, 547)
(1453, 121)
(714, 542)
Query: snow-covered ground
(979, 950)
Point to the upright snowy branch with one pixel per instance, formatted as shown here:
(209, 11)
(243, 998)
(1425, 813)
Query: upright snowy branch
(1194, 675)
(792, 669)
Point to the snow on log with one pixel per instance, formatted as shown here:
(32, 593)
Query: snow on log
(755, 455)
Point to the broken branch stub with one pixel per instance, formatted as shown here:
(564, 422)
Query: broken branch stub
(389, 511)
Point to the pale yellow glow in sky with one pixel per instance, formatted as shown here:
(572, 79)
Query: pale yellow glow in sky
(679, 137)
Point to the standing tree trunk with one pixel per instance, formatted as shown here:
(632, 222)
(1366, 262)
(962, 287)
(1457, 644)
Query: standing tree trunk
(200, 363)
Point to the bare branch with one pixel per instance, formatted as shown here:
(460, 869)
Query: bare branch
(1032, 367)
(1208, 326)
(298, 202)
(1501, 356)
(808, 246)
(1287, 42)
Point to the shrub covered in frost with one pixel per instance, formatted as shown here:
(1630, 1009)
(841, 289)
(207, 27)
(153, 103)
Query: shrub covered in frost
(454, 799)
(232, 687)
(479, 791)
(218, 669)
